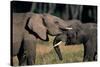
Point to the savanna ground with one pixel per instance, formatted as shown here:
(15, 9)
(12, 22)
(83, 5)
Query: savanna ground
(45, 54)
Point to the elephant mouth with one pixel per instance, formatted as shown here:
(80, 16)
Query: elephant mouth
(69, 42)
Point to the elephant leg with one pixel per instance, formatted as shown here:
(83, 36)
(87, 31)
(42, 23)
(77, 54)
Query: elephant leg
(88, 52)
(27, 50)
(88, 57)
(22, 56)
(30, 48)
(15, 51)
(30, 51)
(57, 49)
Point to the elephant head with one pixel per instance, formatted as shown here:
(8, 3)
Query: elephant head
(85, 34)
(68, 36)
(43, 24)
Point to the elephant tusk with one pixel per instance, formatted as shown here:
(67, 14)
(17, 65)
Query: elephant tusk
(69, 28)
(57, 44)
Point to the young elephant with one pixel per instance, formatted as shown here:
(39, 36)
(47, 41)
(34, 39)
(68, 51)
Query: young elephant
(87, 35)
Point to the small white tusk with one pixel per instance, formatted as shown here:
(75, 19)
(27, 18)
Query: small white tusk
(57, 44)
(69, 28)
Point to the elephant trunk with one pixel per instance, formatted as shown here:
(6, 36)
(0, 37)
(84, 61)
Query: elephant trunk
(58, 52)
(57, 49)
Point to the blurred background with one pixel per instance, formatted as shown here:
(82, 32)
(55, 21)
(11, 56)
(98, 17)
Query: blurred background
(85, 13)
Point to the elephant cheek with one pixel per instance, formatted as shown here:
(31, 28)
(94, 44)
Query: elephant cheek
(54, 31)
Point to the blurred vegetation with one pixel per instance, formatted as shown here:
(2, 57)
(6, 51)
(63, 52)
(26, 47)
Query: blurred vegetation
(85, 13)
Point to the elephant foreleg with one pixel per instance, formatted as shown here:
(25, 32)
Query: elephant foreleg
(27, 51)
(22, 55)
(30, 49)
(30, 52)
(89, 52)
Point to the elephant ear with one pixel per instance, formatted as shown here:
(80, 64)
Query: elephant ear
(36, 25)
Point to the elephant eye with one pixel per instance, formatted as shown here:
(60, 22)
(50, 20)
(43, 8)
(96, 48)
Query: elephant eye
(56, 22)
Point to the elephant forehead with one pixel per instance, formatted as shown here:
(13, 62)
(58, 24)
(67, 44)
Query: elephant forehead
(53, 21)
(53, 18)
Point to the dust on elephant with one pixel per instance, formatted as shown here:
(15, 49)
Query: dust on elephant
(27, 28)
(80, 33)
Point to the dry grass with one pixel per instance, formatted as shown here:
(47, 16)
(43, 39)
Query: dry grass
(45, 54)
(42, 49)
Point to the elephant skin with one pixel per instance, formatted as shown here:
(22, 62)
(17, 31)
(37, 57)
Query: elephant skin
(26, 29)
(80, 33)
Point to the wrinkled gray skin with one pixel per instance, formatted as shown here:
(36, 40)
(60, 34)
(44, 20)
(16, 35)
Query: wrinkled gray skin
(81, 33)
(26, 28)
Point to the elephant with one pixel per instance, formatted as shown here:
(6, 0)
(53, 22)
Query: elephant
(81, 33)
(26, 29)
